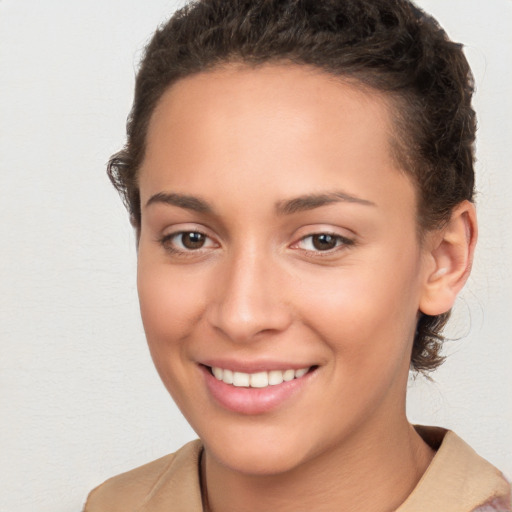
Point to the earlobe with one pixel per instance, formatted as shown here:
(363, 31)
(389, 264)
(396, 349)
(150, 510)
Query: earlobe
(450, 258)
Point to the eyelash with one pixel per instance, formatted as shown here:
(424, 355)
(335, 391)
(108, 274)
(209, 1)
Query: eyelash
(341, 244)
(165, 242)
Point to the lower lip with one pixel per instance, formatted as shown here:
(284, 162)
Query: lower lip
(253, 400)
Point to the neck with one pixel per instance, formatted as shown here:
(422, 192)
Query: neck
(374, 472)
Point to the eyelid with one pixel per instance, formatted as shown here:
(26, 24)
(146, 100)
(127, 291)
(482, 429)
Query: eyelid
(342, 242)
(166, 238)
(170, 236)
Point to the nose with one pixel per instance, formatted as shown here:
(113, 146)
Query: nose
(249, 298)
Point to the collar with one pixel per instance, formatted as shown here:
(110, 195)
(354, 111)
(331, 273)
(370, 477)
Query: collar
(457, 480)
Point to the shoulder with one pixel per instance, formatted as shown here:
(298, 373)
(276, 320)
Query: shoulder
(131, 491)
(502, 504)
(124, 491)
(458, 479)
(479, 479)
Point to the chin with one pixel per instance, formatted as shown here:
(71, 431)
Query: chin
(256, 459)
(259, 449)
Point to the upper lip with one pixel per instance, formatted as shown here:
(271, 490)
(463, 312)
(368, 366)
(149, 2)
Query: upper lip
(254, 366)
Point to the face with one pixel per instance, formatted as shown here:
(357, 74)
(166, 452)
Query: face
(278, 250)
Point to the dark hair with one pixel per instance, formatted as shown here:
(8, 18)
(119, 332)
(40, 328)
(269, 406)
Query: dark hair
(387, 45)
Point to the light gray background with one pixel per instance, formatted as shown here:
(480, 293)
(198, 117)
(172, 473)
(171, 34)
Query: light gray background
(79, 398)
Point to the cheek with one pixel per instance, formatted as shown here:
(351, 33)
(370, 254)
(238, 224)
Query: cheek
(170, 307)
(366, 316)
(369, 337)
(169, 301)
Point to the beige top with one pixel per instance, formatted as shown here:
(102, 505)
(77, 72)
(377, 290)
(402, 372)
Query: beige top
(457, 480)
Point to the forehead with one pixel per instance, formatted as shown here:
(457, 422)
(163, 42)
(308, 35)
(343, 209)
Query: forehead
(238, 93)
(296, 127)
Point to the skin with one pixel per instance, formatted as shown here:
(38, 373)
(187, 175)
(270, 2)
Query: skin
(244, 141)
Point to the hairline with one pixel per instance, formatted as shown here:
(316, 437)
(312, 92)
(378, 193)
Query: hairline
(400, 149)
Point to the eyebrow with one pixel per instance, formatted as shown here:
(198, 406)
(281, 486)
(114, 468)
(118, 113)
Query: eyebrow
(182, 201)
(312, 201)
(285, 207)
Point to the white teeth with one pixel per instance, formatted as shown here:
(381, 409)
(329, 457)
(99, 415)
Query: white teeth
(241, 379)
(258, 379)
(288, 375)
(275, 377)
(227, 376)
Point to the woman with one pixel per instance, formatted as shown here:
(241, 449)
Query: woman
(300, 178)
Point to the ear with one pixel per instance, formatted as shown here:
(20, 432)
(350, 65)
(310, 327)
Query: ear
(448, 260)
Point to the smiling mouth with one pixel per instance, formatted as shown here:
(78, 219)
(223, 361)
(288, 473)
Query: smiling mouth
(259, 379)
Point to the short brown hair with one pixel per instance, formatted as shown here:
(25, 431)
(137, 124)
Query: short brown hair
(388, 45)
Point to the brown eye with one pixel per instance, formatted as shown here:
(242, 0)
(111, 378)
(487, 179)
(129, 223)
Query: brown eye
(188, 243)
(192, 240)
(324, 241)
